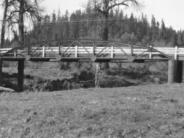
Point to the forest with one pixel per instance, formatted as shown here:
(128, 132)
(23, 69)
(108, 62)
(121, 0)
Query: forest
(88, 24)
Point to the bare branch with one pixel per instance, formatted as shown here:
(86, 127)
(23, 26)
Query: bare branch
(123, 3)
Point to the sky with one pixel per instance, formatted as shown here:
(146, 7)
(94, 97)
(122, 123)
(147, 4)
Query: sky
(171, 11)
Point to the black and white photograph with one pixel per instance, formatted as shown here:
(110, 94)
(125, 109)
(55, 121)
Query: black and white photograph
(91, 69)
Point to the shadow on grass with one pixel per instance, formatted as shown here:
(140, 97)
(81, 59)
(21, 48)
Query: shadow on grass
(10, 80)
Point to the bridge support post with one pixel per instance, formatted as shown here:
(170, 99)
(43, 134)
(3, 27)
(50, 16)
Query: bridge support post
(175, 71)
(43, 52)
(182, 71)
(1, 71)
(179, 71)
(97, 67)
(171, 71)
(20, 78)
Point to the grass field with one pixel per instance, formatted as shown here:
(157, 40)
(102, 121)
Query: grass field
(149, 111)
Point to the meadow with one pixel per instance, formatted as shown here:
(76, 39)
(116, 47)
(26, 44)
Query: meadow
(147, 111)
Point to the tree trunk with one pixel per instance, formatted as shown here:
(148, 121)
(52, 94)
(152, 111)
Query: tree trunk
(4, 23)
(105, 36)
(1, 71)
(21, 23)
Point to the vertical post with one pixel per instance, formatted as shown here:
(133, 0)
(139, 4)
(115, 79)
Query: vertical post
(176, 53)
(59, 50)
(96, 75)
(182, 79)
(150, 51)
(43, 51)
(94, 49)
(178, 71)
(1, 71)
(76, 51)
(29, 49)
(171, 71)
(112, 51)
(20, 78)
(15, 53)
(132, 50)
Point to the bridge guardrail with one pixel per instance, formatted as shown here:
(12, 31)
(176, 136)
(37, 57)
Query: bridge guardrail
(98, 50)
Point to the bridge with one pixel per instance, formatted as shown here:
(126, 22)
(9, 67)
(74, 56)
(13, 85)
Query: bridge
(95, 51)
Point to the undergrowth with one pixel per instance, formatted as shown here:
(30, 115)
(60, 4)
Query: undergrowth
(65, 76)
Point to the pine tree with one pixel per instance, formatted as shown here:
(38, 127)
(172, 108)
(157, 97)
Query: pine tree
(53, 17)
(163, 30)
(179, 41)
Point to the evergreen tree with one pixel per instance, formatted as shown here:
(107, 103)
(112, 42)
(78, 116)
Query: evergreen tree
(54, 18)
(88, 24)
(179, 40)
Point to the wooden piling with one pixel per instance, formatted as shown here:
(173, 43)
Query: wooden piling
(20, 78)
(150, 51)
(178, 71)
(175, 71)
(97, 67)
(43, 52)
(171, 71)
(1, 71)
(182, 71)
(132, 50)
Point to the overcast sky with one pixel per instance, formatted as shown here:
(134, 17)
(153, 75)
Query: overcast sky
(171, 11)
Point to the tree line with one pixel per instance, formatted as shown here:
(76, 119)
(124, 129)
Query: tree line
(101, 20)
(121, 27)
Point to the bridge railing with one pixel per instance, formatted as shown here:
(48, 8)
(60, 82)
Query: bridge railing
(4, 50)
(110, 51)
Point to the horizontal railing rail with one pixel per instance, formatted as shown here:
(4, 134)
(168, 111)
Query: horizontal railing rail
(112, 51)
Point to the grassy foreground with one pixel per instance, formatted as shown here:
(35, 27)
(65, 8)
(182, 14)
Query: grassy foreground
(150, 111)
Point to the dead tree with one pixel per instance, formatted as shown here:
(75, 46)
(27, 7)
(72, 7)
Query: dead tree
(20, 11)
(105, 6)
(26, 8)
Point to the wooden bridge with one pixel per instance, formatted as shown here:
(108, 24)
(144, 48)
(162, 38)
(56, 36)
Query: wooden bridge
(85, 51)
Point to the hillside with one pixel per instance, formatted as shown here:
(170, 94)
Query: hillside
(149, 111)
